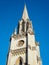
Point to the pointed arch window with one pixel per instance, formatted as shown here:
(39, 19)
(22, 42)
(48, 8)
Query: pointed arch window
(27, 25)
(23, 26)
(19, 61)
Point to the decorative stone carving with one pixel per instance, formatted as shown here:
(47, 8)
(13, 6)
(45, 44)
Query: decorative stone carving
(38, 59)
(37, 43)
(14, 36)
(18, 51)
(31, 48)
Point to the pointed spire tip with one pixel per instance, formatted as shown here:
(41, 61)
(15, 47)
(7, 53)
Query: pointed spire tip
(25, 13)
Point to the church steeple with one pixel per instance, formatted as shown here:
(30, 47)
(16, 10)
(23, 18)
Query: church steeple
(25, 13)
(24, 50)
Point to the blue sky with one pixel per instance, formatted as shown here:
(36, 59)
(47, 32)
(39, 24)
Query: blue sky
(11, 13)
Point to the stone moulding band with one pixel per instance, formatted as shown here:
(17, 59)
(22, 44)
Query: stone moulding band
(18, 51)
(21, 50)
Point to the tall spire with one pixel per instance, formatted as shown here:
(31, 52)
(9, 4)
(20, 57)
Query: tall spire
(25, 13)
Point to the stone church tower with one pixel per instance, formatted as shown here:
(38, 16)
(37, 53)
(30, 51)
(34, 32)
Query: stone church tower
(24, 50)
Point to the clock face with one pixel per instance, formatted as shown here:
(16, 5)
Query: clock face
(20, 43)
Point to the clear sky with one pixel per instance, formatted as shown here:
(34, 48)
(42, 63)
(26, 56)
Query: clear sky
(11, 13)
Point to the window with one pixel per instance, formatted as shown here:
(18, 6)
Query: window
(19, 61)
(20, 43)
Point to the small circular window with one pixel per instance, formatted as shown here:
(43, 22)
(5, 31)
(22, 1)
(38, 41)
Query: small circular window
(20, 43)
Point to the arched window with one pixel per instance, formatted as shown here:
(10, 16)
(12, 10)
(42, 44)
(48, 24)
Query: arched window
(20, 43)
(23, 26)
(19, 61)
(27, 25)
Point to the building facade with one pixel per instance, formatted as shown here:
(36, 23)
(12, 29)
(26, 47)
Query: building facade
(24, 50)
